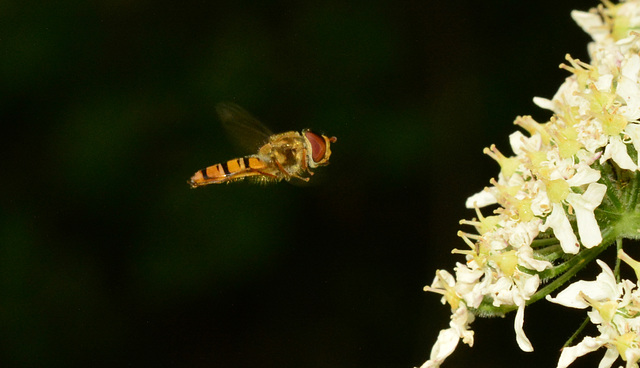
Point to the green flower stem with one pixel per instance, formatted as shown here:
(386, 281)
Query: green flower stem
(577, 333)
(616, 270)
(541, 243)
(550, 253)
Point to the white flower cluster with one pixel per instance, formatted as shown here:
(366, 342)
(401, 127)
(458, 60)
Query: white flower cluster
(616, 312)
(553, 179)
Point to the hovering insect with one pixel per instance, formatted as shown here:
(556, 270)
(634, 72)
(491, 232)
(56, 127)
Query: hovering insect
(280, 156)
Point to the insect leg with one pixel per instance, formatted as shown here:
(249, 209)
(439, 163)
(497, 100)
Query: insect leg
(306, 167)
(288, 175)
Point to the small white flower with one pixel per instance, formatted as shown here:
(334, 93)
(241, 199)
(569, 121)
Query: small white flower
(445, 345)
(561, 226)
(583, 205)
(521, 234)
(516, 291)
(448, 338)
(527, 287)
(521, 144)
(564, 96)
(618, 328)
(526, 259)
(591, 135)
(561, 168)
(587, 345)
(604, 287)
(469, 284)
(540, 203)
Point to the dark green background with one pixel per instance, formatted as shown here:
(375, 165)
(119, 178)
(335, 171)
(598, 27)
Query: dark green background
(108, 259)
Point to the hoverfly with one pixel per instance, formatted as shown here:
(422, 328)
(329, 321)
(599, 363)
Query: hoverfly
(280, 156)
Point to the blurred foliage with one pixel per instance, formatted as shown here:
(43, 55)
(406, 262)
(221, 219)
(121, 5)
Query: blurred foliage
(109, 259)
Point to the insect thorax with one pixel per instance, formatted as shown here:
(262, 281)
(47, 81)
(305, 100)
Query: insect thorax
(287, 149)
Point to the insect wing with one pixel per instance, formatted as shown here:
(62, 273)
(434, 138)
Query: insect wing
(245, 130)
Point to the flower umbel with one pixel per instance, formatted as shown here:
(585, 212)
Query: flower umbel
(569, 190)
(615, 313)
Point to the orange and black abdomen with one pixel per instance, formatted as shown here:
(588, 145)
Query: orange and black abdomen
(232, 170)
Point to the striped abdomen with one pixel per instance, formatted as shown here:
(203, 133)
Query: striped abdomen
(232, 170)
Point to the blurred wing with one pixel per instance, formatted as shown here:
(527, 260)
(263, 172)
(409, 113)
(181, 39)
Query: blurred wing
(245, 130)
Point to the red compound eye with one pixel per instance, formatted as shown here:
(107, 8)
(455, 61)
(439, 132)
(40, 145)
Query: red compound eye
(318, 146)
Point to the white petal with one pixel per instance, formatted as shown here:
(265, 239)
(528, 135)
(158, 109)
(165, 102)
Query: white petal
(617, 151)
(467, 275)
(584, 175)
(569, 354)
(558, 221)
(632, 355)
(609, 357)
(586, 157)
(594, 194)
(481, 199)
(590, 23)
(443, 275)
(583, 205)
(460, 321)
(516, 141)
(525, 257)
(531, 285)
(604, 82)
(607, 283)
(544, 103)
(446, 344)
(586, 19)
(521, 338)
(570, 297)
(602, 289)
(631, 67)
(629, 89)
(502, 291)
